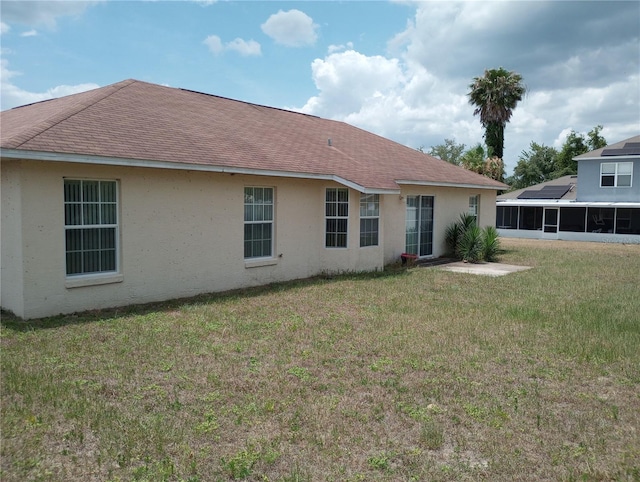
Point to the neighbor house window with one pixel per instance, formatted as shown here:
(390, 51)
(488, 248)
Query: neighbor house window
(616, 174)
(474, 204)
(369, 215)
(258, 222)
(91, 226)
(336, 217)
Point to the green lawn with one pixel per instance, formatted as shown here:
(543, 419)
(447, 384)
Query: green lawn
(415, 374)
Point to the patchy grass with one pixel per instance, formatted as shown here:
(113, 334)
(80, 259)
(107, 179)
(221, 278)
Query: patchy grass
(415, 374)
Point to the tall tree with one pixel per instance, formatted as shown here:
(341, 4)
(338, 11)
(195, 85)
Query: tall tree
(495, 95)
(534, 166)
(594, 139)
(449, 151)
(574, 145)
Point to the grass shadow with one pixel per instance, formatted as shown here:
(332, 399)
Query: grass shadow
(8, 321)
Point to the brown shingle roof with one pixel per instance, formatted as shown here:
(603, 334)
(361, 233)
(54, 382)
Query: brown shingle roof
(140, 121)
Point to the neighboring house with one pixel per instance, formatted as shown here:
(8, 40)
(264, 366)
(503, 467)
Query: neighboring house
(601, 203)
(136, 192)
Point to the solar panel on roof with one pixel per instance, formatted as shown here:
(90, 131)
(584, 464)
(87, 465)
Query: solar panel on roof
(629, 149)
(547, 192)
(529, 195)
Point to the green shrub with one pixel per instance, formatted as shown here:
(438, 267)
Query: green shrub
(491, 243)
(454, 233)
(466, 241)
(470, 245)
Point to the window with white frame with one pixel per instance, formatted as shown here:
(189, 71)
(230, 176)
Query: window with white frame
(474, 206)
(369, 216)
(616, 174)
(336, 217)
(258, 222)
(91, 226)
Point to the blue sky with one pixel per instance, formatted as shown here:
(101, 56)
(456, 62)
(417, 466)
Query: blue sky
(400, 69)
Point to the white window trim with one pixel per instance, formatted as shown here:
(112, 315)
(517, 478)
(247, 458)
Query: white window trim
(616, 174)
(326, 218)
(474, 208)
(94, 278)
(376, 216)
(257, 261)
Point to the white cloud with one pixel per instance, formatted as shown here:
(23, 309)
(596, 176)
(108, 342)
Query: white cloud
(4, 28)
(417, 95)
(292, 28)
(214, 43)
(339, 48)
(12, 96)
(42, 13)
(29, 33)
(243, 47)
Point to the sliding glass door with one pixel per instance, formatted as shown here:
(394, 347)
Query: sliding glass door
(419, 225)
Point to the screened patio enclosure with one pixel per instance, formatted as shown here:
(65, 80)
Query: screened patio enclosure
(575, 221)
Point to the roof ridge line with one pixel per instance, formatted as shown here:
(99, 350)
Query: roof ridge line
(80, 106)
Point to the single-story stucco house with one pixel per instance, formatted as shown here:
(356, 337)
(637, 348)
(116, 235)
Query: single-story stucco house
(600, 203)
(136, 192)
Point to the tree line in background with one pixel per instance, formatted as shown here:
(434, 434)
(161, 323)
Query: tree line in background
(495, 95)
(538, 164)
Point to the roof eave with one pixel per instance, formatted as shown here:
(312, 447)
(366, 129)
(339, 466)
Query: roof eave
(607, 158)
(117, 161)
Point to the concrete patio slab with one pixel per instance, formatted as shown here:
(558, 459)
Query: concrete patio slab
(486, 269)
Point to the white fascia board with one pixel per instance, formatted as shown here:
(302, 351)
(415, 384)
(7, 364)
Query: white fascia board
(633, 157)
(564, 204)
(447, 184)
(118, 161)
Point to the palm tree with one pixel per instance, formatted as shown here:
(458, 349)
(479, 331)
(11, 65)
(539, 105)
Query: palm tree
(495, 95)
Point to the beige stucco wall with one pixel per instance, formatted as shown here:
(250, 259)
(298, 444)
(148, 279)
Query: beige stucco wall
(449, 203)
(181, 234)
(11, 280)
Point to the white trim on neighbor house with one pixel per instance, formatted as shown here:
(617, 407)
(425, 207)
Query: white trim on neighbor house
(117, 161)
(605, 158)
(565, 203)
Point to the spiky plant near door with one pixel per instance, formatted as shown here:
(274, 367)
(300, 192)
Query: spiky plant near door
(491, 243)
(470, 245)
(466, 241)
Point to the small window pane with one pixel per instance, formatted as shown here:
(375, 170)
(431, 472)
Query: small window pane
(331, 209)
(74, 263)
(624, 181)
(91, 213)
(73, 240)
(72, 214)
(108, 192)
(608, 181)
(608, 168)
(90, 191)
(72, 191)
(108, 214)
(108, 260)
(625, 168)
